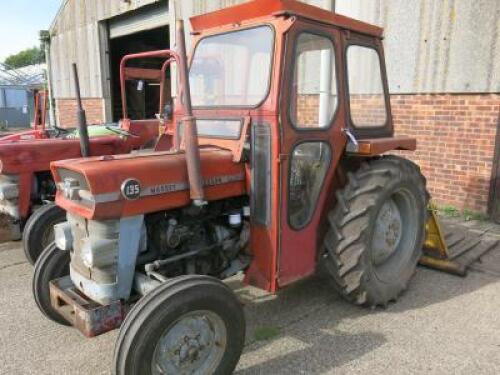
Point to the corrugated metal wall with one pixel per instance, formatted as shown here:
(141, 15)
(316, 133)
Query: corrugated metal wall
(431, 45)
(436, 46)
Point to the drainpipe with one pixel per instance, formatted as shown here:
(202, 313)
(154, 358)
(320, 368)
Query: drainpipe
(189, 121)
(328, 5)
(45, 39)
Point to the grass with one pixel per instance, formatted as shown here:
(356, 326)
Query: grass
(466, 214)
(450, 211)
(266, 333)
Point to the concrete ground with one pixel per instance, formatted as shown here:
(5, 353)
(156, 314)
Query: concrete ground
(442, 325)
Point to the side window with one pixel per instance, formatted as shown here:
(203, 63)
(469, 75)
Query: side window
(309, 165)
(314, 97)
(261, 173)
(366, 90)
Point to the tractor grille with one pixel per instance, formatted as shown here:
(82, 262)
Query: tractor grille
(89, 233)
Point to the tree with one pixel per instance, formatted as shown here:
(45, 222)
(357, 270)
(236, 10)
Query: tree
(26, 57)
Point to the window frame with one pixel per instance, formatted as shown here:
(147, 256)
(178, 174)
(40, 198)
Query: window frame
(271, 67)
(313, 211)
(293, 65)
(387, 129)
(204, 118)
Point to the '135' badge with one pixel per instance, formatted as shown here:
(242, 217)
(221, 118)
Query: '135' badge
(131, 189)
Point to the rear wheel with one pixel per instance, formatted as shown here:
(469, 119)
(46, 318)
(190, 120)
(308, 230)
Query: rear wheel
(191, 325)
(38, 232)
(51, 265)
(376, 231)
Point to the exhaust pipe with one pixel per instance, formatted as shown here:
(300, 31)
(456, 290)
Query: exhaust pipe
(81, 117)
(189, 122)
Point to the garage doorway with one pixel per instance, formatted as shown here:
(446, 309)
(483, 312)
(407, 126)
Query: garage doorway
(142, 97)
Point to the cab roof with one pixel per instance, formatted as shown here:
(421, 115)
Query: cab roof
(261, 8)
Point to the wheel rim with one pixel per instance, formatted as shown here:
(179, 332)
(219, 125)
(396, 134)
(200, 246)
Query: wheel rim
(194, 344)
(388, 232)
(395, 234)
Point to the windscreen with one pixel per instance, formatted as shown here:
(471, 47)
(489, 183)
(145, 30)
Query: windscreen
(232, 69)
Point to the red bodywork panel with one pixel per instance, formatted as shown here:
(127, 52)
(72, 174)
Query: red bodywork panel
(162, 176)
(378, 146)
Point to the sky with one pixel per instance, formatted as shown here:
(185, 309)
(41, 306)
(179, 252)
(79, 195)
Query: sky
(20, 22)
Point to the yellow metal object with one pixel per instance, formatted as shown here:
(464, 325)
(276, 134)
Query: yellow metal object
(434, 239)
(436, 253)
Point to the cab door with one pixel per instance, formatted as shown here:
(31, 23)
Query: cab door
(312, 112)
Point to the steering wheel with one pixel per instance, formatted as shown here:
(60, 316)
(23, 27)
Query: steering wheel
(120, 131)
(59, 132)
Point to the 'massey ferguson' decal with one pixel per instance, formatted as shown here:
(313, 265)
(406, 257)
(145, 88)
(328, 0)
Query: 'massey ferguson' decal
(131, 189)
(171, 188)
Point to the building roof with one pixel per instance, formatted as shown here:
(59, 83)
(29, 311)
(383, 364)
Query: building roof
(261, 8)
(30, 76)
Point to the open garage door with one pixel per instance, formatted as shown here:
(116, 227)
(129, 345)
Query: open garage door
(495, 181)
(143, 19)
(144, 30)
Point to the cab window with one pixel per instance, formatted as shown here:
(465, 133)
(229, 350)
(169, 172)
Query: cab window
(310, 163)
(314, 97)
(366, 89)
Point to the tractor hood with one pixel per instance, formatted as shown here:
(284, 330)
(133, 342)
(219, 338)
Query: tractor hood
(111, 187)
(18, 157)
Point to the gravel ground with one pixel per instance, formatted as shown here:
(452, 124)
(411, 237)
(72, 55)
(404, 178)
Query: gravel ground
(442, 325)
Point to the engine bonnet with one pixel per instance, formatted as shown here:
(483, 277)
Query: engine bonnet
(111, 187)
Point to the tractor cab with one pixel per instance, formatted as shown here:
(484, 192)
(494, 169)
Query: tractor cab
(289, 89)
(276, 169)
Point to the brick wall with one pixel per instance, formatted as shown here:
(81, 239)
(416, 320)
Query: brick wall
(66, 112)
(369, 110)
(456, 143)
(306, 113)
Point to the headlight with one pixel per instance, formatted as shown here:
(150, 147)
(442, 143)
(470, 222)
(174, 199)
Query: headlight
(71, 188)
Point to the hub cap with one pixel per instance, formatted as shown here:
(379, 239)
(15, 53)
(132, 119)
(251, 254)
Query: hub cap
(388, 232)
(194, 344)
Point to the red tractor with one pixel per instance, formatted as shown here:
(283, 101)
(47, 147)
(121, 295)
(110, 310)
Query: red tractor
(25, 179)
(276, 171)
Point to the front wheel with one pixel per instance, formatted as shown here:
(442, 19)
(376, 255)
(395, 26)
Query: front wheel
(39, 230)
(51, 265)
(190, 325)
(376, 231)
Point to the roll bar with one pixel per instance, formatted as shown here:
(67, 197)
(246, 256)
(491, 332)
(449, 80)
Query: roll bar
(158, 75)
